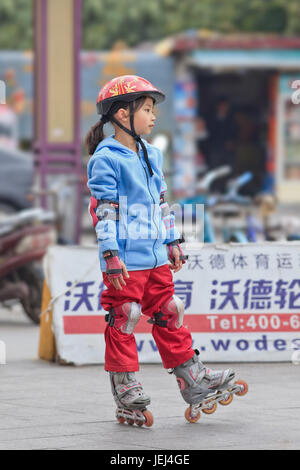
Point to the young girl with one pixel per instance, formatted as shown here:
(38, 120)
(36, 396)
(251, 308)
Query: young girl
(137, 238)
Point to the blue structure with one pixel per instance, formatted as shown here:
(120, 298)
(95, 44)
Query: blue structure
(16, 69)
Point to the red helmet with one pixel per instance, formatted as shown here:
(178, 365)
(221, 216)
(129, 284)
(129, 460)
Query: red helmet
(126, 88)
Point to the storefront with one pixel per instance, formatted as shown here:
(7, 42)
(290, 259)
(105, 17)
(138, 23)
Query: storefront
(254, 79)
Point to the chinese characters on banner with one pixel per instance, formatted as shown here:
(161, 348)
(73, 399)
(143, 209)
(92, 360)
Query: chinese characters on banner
(241, 304)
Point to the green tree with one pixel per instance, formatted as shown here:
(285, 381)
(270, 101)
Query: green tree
(132, 21)
(147, 20)
(16, 24)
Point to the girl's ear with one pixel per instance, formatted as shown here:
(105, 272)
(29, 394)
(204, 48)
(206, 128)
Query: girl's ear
(122, 114)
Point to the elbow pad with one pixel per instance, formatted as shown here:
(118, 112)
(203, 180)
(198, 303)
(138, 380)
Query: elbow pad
(103, 209)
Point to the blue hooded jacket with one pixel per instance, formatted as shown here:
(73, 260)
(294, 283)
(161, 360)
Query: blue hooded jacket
(139, 230)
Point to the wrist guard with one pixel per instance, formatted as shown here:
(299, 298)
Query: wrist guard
(171, 256)
(113, 266)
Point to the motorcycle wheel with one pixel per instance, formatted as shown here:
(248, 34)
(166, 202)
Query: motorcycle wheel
(33, 275)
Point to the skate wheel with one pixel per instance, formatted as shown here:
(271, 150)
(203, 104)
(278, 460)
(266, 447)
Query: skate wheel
(130, 421)
(121, 419)
(189, 417)
(226, 401)
(210, 409)
(148, 417)
(244, 387)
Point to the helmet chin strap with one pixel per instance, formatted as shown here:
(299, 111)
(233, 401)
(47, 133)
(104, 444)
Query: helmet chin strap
(135, 136)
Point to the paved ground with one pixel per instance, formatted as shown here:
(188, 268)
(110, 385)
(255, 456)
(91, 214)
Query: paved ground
(49, 406)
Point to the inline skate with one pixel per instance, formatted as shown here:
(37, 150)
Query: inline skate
(131, 399)
(202, 388)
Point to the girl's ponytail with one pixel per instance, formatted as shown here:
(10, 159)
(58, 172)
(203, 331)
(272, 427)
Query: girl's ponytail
(95, 136)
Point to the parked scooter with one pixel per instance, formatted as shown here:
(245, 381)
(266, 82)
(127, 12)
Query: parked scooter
(24, 239)
(58, 195)
(231, 205)
(202, 197)
(227, 206)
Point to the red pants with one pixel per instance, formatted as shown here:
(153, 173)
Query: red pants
(150, 288)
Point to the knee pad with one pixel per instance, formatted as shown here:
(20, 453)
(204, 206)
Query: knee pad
(171, 314)
(124, 317)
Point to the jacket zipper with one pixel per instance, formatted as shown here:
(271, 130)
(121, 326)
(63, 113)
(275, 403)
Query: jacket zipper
(147, 178)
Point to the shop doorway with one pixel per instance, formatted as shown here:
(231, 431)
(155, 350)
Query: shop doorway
(232, 123)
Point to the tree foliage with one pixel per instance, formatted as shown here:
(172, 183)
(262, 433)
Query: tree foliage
(132, 21)
(16, 25)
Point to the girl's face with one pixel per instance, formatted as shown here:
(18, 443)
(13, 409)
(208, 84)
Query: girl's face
(144, 117)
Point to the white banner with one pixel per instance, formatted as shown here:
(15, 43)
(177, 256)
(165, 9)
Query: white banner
(242, 303)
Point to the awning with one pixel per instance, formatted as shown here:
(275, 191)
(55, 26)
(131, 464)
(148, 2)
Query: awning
(230, 59)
